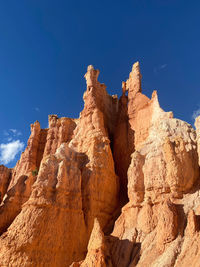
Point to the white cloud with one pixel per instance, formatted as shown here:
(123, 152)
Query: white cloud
(163, 66)
(159, 68)
(37, 109)
(196, 113)
(15, 132)
(9, 151)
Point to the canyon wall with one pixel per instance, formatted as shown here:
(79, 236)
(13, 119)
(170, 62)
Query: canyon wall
(119, 186)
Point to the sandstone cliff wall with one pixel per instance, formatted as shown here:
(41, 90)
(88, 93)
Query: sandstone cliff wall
(119, 186)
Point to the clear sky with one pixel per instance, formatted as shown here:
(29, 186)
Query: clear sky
(46, 45)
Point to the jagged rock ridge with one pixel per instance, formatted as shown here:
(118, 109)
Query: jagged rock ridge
(119, 186)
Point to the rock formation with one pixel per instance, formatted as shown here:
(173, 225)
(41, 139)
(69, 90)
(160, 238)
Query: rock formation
(5, 176)
(119, 186)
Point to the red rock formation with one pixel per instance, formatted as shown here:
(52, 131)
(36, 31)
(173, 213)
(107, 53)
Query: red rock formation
(197, 125)
(98, 253)
(5, 175)
(27, 162)
(125, 158)
(192, 224)
(60, 131)
(136, 115)
(23, 177)
(139, 107)
(91, 139)
(76, 182)
(163, 169)
(121, 148)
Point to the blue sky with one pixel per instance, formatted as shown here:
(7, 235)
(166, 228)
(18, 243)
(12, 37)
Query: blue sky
(45, 47)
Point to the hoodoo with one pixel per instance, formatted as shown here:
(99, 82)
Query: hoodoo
(119, 186)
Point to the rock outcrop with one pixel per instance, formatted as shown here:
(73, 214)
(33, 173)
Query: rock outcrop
(5, 176)
(98, 253)
(74, 183)
(119, 186)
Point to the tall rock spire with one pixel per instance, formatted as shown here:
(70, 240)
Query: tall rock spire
(91, 76)
(133, 84)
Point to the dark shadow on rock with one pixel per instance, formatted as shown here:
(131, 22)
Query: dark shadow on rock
(123, 252)
(123, 147)
(12, 205)
(182, 219)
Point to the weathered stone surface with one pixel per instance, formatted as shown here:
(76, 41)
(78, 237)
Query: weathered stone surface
(14, 199)
(146, 219)
(42, 229)
(167, 227)
(122, 149)
(28, 160)
(97, 254)
(192, 224)
(166, 164)
(139, 107)
(197, 125)
(5, 176)
(100, 184)
(23, 176)
(60, 131)
(75, 184)
(117, 187)
(136, 189)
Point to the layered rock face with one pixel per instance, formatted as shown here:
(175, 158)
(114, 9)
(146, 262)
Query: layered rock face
(5, 176)
(119, 186)
(64, 179)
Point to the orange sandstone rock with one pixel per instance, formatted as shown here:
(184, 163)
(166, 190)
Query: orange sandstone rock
(21, 181)
(197, 125)
(163, 166)
(5, 176)
(28, 160)
(167, 227)
(192, 224)
(97, 254)
(75, 184)
(60, 131)
(117, 187)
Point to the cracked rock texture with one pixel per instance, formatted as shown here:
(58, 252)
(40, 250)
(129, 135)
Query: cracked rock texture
(119, 186)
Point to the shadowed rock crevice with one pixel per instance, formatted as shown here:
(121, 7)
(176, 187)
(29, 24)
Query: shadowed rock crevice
(13, 201)
(41, 147)
(123, 252)
(5, 178)
(121, 149)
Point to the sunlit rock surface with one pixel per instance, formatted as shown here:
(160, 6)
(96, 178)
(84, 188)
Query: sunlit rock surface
(119, 186)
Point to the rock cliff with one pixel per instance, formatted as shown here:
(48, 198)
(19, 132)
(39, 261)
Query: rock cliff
(119, 186)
